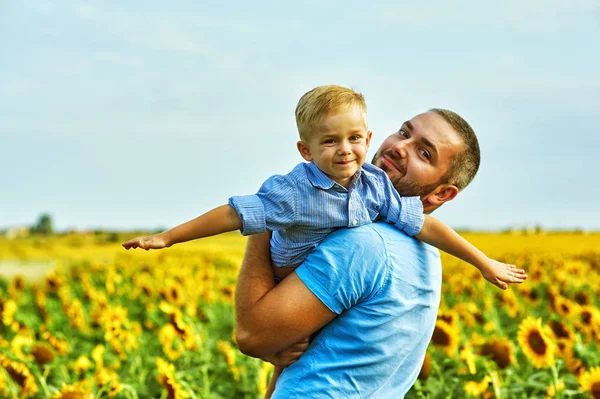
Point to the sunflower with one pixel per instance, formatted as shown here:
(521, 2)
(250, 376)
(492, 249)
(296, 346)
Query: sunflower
(590, 382)
(81, 364)
(72, 392)
(21, 375)
(16, 286)
(8, 308)
(469, 314)
(171, 344)
(552, 389)
(166, 378)
(230, 355)
(446, 337)
(561, 330)
(173, 293)
(468, 356)
(501, 351)
(98, 356)
(535, 343)
(478, 389)
(425, 368)
(183, 330)
(582, 298)
(263, 377)
(42, 354)
(18, 343)
(585, 319)
(76, 314)
(59, 345)
(508, 301)
(563, 306)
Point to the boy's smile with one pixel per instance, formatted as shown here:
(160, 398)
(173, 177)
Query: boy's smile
(338, 145)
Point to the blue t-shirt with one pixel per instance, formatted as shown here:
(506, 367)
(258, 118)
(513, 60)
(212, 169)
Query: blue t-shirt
(385, 286)
(304, 206)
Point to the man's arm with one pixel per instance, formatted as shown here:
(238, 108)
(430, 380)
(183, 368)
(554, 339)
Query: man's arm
(270, 318)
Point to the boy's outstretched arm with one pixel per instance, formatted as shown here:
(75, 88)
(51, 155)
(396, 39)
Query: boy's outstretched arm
(440, 235)
(216, 221)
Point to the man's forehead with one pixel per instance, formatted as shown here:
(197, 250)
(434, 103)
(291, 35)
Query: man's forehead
(434, 127)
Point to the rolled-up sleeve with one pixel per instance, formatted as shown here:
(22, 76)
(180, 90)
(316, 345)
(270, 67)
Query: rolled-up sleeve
(252, 212)
(273, 207)
(405, 213)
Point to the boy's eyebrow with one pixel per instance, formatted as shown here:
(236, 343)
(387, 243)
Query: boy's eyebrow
(424, 139)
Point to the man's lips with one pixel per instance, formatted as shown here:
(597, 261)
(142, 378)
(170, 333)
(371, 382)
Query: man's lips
(391, 164)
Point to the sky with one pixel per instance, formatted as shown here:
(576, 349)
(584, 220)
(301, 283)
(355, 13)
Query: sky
(142, 115)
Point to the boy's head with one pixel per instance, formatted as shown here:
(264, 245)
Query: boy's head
(332, 123)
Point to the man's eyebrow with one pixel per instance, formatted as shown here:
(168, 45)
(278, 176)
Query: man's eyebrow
(425, 140)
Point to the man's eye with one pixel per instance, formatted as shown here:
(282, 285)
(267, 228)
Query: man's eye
(425, 154)
(402, 132)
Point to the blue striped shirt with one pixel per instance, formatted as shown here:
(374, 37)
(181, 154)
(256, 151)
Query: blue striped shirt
(304, 206)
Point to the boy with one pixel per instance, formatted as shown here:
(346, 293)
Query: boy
(334, 189)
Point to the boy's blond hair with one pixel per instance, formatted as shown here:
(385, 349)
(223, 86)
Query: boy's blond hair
(323, 101)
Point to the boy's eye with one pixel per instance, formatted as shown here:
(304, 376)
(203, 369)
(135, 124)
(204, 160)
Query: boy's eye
(329, 141)
(354, 138)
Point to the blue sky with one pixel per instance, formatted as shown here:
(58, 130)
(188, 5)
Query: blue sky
(139, 115)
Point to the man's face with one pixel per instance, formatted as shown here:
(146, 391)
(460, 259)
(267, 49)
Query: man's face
(419, 154)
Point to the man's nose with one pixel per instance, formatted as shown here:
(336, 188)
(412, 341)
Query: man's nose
(400, 147)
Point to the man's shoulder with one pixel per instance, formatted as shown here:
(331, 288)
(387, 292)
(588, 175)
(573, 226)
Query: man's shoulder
(371, 233)
(383, 238)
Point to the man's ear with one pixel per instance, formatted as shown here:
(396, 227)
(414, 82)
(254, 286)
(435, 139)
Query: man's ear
(304, 151)
(442, 193)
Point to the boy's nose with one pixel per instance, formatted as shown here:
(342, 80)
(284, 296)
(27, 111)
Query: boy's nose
(344, 148)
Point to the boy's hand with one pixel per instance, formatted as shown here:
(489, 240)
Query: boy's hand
(501, 274)
(156, 241)
(289, 355)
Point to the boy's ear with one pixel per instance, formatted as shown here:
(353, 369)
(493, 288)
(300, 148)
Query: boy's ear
(442, 193)
(304, 151)
(369, 134)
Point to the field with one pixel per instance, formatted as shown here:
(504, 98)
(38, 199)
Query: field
(106, 322)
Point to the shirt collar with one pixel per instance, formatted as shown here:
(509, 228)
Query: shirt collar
(319, 179)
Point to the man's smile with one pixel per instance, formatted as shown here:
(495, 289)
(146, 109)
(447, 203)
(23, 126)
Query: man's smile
(391, 163)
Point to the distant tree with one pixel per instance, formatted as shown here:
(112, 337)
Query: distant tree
(44, 225)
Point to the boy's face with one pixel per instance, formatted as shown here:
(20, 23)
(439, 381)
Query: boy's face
(338, 145)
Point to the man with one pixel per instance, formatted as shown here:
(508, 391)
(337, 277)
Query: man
(372, 291)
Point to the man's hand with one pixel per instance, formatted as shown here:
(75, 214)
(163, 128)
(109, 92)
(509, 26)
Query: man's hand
(289, 355)
(501, 274)
(156, 241)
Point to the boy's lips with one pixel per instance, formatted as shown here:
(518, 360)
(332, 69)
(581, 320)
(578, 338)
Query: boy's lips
(344, 162)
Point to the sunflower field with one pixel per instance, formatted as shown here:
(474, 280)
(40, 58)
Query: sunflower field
(102, 322)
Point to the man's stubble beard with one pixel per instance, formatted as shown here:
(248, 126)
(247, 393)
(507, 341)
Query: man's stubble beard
(408, 188)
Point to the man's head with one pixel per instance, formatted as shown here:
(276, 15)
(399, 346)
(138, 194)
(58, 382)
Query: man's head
(332, 122)
(434, 155)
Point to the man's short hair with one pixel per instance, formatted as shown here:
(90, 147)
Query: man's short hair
(465, 163)
(323, 101)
